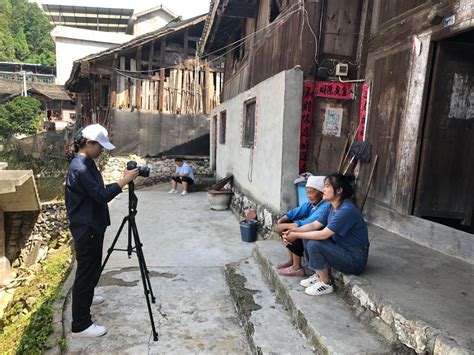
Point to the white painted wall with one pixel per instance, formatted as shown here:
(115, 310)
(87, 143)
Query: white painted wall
(75, 43)
(267, 171)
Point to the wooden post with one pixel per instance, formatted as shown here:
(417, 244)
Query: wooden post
(133, 88)
(121, 84)
(113, 84)
(139, 81)
(150, 58)
(161, 97)
(186, 44)
(207, 88)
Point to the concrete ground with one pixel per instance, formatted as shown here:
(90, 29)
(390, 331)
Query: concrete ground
(186, 246)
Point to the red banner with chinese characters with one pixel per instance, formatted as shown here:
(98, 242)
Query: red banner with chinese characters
(306, 121)
(334, 90)
(363, 111)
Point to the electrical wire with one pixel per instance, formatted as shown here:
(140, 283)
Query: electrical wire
(239, 43)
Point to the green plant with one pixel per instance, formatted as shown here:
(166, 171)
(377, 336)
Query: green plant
(20, 115)
(27, 324)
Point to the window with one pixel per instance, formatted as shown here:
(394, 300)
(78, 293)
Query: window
(222, 127)
(249, 124)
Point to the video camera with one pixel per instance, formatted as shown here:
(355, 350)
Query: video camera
(142, 170)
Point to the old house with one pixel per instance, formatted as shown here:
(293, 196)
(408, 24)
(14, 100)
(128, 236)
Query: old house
(38, 81)
(154, 86)
(395, 76)
(273, 52)
(303, 80)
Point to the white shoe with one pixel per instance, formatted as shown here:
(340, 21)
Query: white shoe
(183, 193)
(97, 300)
(92, 332)
(318, 289)
(309, 281)
(173, 191)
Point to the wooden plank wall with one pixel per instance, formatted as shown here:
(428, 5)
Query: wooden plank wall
(391, 67)
(179, 89)
(279, 47)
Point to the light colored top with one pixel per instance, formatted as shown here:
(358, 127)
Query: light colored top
(185, 169)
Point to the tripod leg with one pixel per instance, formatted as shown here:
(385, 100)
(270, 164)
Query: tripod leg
(111, 249)
(141, 256)
(145, 278)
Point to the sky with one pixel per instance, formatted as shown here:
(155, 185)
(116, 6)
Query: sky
(185, 8)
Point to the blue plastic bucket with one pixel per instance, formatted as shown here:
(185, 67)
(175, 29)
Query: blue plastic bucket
(302, 197)
(248, 230)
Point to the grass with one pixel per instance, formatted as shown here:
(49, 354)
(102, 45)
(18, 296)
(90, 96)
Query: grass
(27, 332)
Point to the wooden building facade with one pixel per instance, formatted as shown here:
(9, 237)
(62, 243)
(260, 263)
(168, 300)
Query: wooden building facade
(410, 75)
(156, 72)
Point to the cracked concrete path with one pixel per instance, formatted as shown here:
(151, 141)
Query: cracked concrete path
(186, 246)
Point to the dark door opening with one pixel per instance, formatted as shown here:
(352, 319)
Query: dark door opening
(445, 186)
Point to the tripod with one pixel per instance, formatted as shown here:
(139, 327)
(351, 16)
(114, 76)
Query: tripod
(132, 230)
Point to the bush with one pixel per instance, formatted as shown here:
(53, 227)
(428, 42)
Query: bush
(21, 115)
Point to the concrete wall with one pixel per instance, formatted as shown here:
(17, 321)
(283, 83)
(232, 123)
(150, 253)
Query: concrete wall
(75, 43)
(150, 22)
(266, 172)
(152, 134)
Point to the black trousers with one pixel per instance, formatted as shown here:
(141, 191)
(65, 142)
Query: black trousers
(89, 260)
(297, 247)
(180, 179)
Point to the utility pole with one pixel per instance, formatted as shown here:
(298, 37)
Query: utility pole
(24, 92)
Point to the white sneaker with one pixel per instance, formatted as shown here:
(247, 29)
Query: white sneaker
(309, 281)
(173, 191)
(92, 332)
(97, 300)
(184, 193)
(318, 289)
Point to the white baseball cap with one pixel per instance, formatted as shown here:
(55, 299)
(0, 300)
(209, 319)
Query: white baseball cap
(316, 182)
(95, 132)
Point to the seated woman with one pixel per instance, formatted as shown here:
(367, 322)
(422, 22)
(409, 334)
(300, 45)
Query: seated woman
(297, 217)
(338, 239)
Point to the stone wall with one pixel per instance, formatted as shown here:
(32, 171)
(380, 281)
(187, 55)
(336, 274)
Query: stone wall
(161, 170)
(240, 204)
(31, 234)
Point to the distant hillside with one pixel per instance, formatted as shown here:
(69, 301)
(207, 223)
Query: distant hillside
(25, 33)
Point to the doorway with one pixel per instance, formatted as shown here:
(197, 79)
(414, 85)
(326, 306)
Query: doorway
(445, 186)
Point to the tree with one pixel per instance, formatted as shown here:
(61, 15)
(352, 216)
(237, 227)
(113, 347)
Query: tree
(7, 53)
(25, 33)
(20, 115)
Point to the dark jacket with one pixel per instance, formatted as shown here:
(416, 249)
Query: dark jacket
(87, 197)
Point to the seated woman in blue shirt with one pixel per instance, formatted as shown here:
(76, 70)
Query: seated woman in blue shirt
(297, 217)
(338, 239)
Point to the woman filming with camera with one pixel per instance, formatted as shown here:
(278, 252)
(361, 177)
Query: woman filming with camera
(337, 239)
(86, 203)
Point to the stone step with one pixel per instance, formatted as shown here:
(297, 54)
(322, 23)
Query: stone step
(327, 321)
(414, 295)
(268, 326)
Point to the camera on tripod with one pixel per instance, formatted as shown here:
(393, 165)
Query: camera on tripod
(142, 170)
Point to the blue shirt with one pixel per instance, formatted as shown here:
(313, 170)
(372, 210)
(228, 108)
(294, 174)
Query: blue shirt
(347, 223)
(86, 197)
(306, 213)
(185, 169)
